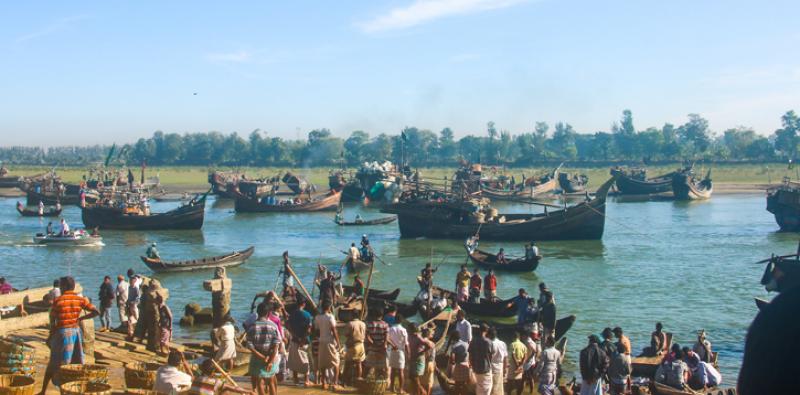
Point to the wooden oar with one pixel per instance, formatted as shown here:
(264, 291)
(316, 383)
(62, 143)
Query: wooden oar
(364, 306)
(300, 283)
(224, 374)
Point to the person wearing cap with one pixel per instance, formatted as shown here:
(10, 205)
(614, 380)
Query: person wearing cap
(481, 350)
(593, 366)
(152, 252)
(702, 347)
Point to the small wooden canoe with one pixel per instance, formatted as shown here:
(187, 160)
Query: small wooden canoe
(48, 212)
(376, 221)
(686, 187)
(489, 261)
(357, 265)
(233, 259)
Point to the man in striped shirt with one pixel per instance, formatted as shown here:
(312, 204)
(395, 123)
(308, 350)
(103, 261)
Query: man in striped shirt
(376, 343)
(66, 339)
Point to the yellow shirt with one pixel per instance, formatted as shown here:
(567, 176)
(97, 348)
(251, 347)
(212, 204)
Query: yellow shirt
(462, 278)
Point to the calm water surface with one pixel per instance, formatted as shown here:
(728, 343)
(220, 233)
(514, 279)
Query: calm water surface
(688, 265)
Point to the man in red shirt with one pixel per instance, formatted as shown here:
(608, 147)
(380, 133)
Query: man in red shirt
(475, 284)
(490, 285)
(66, 339)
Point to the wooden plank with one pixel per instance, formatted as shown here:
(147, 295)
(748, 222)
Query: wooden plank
(29, 296)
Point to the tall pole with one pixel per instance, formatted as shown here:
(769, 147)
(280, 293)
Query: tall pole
(364, 307)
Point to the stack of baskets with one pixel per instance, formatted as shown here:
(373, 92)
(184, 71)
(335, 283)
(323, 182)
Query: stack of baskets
(16, 384)
(140, 374)
(85, 387)
(79, 372)
(16, 357)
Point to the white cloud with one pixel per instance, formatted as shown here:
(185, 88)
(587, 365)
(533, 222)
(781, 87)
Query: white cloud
(423, 11)
(232, 57)
(56, 26)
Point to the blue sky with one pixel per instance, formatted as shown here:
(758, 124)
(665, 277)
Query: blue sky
(85, 72)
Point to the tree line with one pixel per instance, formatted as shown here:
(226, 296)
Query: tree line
(692, 140)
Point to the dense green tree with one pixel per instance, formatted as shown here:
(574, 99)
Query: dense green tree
(355, 147)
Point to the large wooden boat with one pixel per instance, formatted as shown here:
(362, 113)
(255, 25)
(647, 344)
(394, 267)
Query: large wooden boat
(784, 203)
(52, 211)
(686, 187)
(529, 189)
(328, 202)
(489, 261)
(187, 216)
(454, 219)
(235, 258)
(376, 221)
(10, 181)
(635, 182)
(572, 184)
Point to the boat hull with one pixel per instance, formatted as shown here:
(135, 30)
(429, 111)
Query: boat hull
(229, 260)
(68, 241)
(583, 221)
(784, 204)
(488, 261)
(248, 205)
(630, 186)
(684, 187)
(182, 218)
(377, 221)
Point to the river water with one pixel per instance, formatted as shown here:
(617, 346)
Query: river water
(688, 265)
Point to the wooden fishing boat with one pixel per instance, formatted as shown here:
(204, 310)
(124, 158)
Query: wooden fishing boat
(486, 308)
(187, 216)
(784, 203)
(48, 212)
(375, 293)
(357, 265)
(686, 187)
(454, 220)
(572, 184)
(376, 221)
(235, 258)
(529, 189)
(635, 182)
(646, 365)
(10, 181)
(328, 202)
(489, 261)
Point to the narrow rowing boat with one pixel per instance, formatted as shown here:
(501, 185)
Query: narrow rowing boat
(356, 265)
(489, 261)
(26, 212)
(228, 260)
(376, 221)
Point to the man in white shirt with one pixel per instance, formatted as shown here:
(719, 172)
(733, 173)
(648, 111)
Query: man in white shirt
(354, 253)
(64, 227)
(397, 338)
(121, 295)
(463, 327)
(499, 361)
(169, 379)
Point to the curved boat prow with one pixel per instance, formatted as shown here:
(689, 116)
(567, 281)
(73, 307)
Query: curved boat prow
(602, 192)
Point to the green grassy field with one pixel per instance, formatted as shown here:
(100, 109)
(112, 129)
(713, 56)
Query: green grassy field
(197, 176)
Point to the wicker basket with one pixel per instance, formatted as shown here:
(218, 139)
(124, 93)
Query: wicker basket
(140, 374)
(78, 372)
(85, 387)
(372, 386)
(16, 384)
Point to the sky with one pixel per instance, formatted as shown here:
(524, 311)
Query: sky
(102, 72)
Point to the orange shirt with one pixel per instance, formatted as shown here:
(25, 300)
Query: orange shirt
(490, 282)
(67, 309)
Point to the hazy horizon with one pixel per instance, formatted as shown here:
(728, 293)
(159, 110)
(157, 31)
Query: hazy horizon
(80, 74)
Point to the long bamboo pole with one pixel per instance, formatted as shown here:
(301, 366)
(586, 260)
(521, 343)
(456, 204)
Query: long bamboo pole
(364, 307)
(300, 283)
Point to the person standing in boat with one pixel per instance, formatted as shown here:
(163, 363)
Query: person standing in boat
(658, 341)
(490, 286)
(521, 302)
(471, 243)
(354, 253)
(152, 252)
(543, 290)
(462, 284)
(426, 278)
(531, 251)
(702, 347)
(49, 228)
(475, 284)
(547, 315)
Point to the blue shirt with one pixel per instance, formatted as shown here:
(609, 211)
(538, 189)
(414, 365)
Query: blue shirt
(389, 319)
(521, 303)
